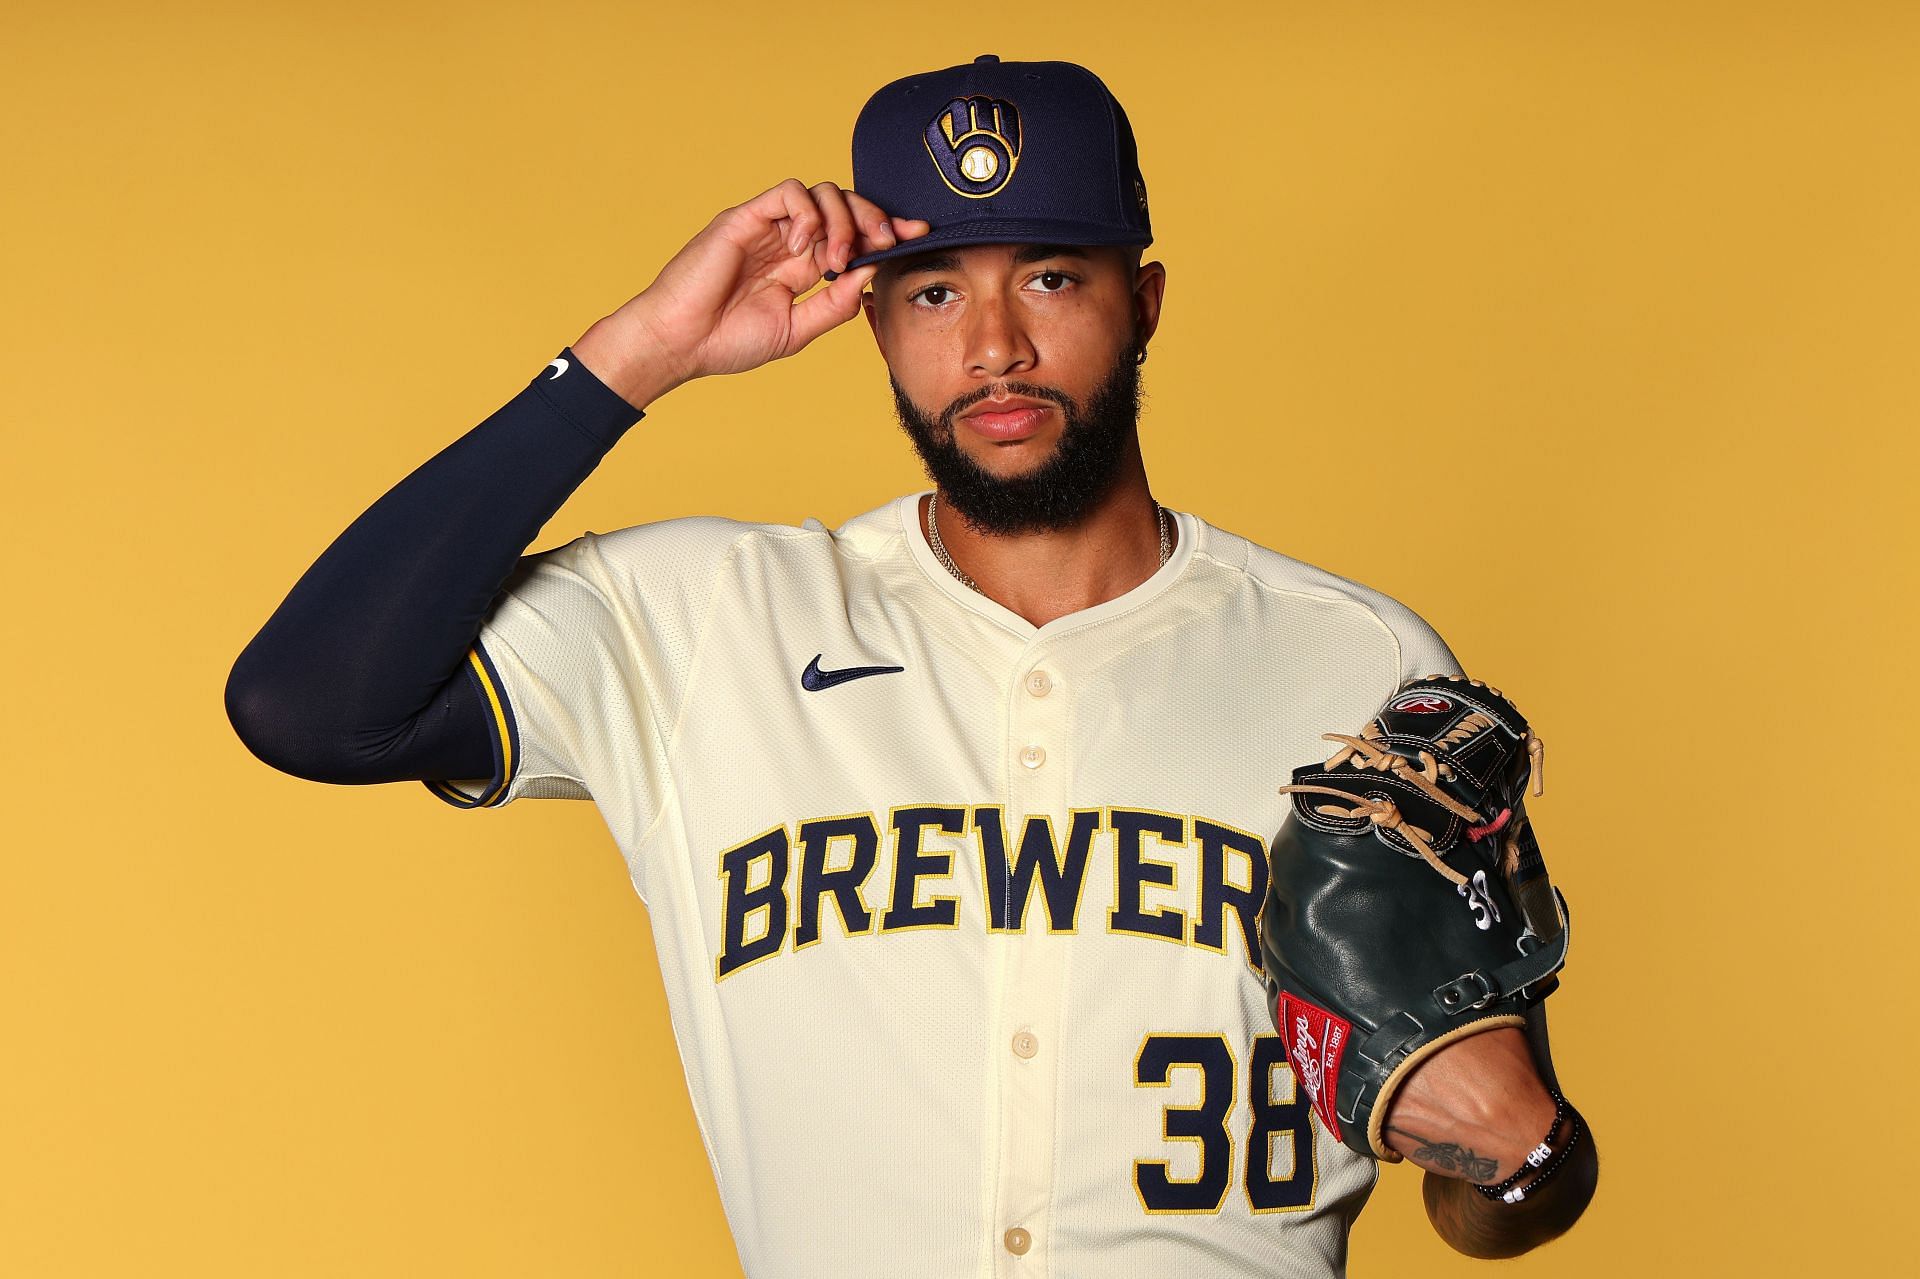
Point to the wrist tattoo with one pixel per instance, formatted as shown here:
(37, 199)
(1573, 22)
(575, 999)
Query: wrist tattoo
(1444, 1156)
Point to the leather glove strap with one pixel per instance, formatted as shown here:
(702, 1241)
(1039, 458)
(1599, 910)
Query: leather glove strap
(1479, 988)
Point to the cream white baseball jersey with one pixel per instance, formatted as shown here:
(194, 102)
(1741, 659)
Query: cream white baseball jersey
(956, 913)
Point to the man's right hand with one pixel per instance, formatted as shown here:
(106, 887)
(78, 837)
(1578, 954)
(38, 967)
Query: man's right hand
(726, 302)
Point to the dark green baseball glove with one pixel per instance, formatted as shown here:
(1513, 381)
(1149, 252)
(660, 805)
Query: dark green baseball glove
(1408, 905)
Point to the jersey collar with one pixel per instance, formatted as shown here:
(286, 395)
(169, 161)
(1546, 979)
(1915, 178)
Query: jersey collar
(907, 516)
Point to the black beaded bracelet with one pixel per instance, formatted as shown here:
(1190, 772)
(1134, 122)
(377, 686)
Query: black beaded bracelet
(1535, 1157)
(1546, 1174)
(1543, 1158)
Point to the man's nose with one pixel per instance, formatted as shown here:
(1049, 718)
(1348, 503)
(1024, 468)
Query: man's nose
(997, 343)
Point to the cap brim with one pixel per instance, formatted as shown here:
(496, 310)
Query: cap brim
(1004, 231)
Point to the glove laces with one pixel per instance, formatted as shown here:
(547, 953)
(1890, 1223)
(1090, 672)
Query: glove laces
(1367, 753)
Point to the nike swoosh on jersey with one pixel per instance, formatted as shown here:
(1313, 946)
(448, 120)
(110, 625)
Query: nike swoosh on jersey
(558, 366)
(813, 679)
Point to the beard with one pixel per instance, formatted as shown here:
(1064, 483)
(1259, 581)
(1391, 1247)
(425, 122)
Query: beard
(1062, 490)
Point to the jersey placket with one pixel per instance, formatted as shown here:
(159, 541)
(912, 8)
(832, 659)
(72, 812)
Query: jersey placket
(1030, 972)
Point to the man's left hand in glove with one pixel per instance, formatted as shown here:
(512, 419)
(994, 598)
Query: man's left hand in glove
(1409, 935)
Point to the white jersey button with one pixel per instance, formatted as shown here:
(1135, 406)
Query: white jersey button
(1033, 757)
(1018, 1241)
(1039, 683)
(1025, 1044)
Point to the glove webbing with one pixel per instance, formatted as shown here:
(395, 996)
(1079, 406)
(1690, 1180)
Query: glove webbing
(1365, 753)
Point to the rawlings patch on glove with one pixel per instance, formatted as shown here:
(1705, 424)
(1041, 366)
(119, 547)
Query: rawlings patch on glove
(1408, 905)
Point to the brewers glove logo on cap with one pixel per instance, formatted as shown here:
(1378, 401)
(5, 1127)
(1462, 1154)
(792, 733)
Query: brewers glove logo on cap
(975, 143)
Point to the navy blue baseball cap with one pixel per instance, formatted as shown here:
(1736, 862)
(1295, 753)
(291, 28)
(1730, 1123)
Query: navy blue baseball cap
(994, 152)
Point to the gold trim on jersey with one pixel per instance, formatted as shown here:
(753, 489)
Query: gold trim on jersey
(505, 759)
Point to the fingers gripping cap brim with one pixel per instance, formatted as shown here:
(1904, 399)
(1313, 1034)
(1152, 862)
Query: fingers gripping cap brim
(1004, 231)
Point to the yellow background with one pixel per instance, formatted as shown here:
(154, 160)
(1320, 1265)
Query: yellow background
(1587, 330)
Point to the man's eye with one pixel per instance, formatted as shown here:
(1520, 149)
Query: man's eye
(1052, 281)
(932, 295)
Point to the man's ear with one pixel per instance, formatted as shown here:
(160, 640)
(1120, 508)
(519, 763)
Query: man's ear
(1149, 289)
(867, 306)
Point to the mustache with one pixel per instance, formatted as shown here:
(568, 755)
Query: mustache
(1000, 391)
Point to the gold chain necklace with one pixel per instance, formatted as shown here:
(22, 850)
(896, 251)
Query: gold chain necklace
(1160, 520)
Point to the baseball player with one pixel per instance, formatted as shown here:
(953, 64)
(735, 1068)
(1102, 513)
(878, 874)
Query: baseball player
(953, 822)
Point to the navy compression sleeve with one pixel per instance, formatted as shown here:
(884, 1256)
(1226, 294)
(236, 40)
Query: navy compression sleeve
(361, 674)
